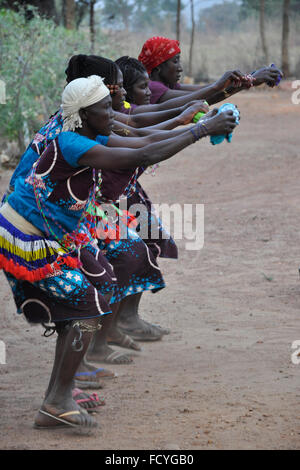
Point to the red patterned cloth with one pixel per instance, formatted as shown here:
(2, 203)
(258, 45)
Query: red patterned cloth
(157, 50)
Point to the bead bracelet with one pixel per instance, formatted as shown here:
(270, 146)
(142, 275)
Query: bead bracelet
(199, 131)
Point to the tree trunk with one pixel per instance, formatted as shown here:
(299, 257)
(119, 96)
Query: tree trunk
(192, 39)
(69, 13)
(46, 8)
(81, 9)
(178, 20)
(125, 13)
(92, 25)
(285, 38)
(262, 31)
(126, 21)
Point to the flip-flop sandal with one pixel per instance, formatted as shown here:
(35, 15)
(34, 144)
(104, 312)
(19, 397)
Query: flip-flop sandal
(86, 385)
(113, 357)
(95, 384)
(105, 374)
(89, 402)
(126, 342)
(139, 334)
(163, 330)
(64, 423)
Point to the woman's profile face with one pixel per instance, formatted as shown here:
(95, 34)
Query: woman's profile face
(140, 92)
(99, 117)
(118, 96)
(171, 70)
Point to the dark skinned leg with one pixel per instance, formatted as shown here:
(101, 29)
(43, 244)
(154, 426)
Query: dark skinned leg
(58, 353)
(129, 321)
(58, 399)
(117, 337)
(93, 380)
(99, 350)
(128, 313)
(60, 342)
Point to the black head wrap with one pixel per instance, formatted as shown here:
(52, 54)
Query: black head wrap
(85, 65)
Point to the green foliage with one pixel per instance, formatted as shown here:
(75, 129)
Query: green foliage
(220, 17)
(33, 57)
(228, 15)
(273, 8)
(152, 13)
(119, 10)
(139, 14)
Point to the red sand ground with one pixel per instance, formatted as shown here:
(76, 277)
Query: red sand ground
(223, 379)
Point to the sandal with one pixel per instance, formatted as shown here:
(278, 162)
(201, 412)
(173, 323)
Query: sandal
(126, 342)
(163, 330)
(115, 356)
(150, 333)
(145, 331)
(100, 373)
(88, 379)
(89, 402)
(61, 420)
(86, 385)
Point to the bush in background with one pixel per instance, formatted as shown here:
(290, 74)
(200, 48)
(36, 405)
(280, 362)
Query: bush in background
(33, 58)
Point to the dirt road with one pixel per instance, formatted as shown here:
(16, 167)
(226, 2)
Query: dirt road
(224, 378)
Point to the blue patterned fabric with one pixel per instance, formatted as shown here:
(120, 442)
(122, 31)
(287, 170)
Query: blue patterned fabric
(63, 191)
(133, 263)
(43, 137)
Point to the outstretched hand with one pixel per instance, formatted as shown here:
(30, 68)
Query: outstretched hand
(222, 123)
(231, 78)
(193, 108)
(210, 114)
(268, 75)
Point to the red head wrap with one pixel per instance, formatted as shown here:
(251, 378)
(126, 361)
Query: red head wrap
(157, 50)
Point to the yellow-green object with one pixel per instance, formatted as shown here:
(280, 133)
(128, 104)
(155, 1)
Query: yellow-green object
(198, 116)
(96, 210)
(126, 105)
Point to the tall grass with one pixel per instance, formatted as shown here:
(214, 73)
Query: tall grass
(215, 53)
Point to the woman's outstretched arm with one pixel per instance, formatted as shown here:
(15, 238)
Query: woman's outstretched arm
(118, 158)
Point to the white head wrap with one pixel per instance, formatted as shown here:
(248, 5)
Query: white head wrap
(78, 94)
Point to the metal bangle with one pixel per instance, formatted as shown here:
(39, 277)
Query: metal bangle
(80, 327)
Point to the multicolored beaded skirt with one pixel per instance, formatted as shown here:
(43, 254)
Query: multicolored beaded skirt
(162, 245)
(133, 262)
(50, 285)
(134, 265)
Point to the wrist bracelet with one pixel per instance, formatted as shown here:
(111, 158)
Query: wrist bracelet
(199, 131)
(204, 129)
(194, 135)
